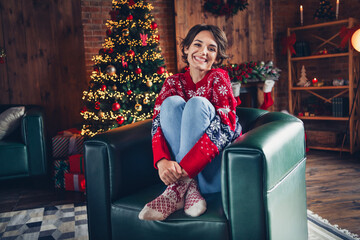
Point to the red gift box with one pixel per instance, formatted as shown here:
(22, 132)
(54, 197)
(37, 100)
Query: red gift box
(74, 182)
(76, 163)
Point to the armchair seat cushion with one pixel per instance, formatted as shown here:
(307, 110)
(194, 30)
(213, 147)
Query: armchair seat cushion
(125, 222)
(13, 159)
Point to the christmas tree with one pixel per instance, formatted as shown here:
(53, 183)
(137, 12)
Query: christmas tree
(128, 71)
(325, 11)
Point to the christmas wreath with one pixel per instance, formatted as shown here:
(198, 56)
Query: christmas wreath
(231, 7)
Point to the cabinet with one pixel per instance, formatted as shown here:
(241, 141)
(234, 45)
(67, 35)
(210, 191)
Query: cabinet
(317, 104)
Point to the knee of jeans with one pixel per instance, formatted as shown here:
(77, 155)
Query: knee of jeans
(172, 103)
(197, 103)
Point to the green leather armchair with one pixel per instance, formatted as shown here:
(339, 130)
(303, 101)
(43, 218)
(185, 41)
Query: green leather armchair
(263, 184)
(23, 152)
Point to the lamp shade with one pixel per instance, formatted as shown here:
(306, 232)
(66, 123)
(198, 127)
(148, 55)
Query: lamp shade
(355, 40)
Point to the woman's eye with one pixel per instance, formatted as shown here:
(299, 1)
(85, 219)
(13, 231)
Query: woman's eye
(212, 49)
(197, 44)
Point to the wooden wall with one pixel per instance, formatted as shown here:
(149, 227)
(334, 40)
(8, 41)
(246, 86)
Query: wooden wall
(249, 32)
(45, 58)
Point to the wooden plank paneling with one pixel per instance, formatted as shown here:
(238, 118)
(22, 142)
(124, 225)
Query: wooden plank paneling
(249, 32)
(45, 58)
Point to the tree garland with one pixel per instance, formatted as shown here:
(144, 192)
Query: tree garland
(220, 8)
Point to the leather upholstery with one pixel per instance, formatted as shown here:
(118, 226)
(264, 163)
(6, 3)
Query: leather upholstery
(23, 153)
(263, 184)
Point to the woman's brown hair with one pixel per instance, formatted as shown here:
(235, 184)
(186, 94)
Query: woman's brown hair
(219, 36)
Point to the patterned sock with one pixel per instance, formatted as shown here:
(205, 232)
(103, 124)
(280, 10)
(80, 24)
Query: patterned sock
(195, 204)
(171, 200)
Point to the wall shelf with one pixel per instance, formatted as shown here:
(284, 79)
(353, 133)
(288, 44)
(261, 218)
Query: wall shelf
(326, 35)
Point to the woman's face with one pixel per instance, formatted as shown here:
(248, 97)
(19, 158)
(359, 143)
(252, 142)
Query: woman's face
(202, 52)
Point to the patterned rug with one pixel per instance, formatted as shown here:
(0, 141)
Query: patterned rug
(70, 222)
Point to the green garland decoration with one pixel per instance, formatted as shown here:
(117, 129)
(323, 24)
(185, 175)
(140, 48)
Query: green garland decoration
(230, 8)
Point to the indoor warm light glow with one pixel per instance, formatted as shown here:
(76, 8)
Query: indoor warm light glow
(355, 40)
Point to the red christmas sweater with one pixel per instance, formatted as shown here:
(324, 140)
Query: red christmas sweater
(223, 129)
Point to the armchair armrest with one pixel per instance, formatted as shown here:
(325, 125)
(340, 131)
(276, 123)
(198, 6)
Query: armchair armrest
(33, 135)
(117, 162)
(254, 165)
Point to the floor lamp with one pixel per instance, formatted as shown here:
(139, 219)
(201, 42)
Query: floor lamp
(355, 42)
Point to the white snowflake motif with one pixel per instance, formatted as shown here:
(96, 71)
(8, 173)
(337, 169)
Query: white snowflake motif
(222, 90)
(157, 108)
(223, 138)
(191, 93)
(171, 81)
(225, 110)
(214, 126)
(200, 91)
(216, 80)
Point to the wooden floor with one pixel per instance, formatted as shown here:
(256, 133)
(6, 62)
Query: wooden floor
(333, 190)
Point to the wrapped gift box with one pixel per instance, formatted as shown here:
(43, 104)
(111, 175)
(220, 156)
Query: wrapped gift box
(66, 143)
(76, 163)
(74, 182)
(60, 168)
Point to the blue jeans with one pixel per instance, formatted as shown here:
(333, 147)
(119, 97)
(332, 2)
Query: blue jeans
(183, 123)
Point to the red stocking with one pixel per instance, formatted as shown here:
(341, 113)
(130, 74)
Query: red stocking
(268, 101)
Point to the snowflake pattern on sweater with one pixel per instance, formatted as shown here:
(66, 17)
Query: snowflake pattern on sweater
(223, 129)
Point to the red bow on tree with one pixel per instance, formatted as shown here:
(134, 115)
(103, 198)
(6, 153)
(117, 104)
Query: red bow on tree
(346, 34)
(288, 43)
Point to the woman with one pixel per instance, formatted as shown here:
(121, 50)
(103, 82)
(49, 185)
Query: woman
(194, 120)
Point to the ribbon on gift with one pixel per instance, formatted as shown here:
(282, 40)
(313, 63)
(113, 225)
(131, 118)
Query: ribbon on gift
(288, 43)
(60, 168)
(76, 182)
(346, 34)
(73, 133)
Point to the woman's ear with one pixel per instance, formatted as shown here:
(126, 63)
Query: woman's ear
(186, 50)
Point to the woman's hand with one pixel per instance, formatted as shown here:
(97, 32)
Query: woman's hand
(169, 171)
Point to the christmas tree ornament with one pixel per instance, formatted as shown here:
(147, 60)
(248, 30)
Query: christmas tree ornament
(101, 114)
(97, 105)
(146, 101)
(129, 92)
(131, 2)
(131, 53)
(138, 107)
(160, 70)
(130, 17)
(149, 83)
(110, 50)
(110, 70)
(153, 25)
(84, 109)
(125, 32)
(124, 63)
(114, 88)
(115, 107)
(120, 120)
(143, 38)
(138, 70)
(108, 32)
(103, 87)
